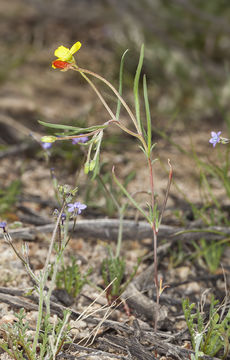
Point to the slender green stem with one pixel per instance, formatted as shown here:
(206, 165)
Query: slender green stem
(53, 239)
(113, 116)
(130, 197)
(108, 192)
(114, 119)
(115, 92)
(151, 183)
(154, 242)
(70, 235)
(52, 283)
(8, 239)
(121, 215)
(40, 312)
(57, 347)
(156, 275)
(42, 282)
(139, 136)
(77, 136)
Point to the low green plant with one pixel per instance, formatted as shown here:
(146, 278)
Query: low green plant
(70, 278)
(113, 272)
(209, 336)
(18, 340)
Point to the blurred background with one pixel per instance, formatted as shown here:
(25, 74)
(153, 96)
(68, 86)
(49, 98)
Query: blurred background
(187, 53)
(187, 48)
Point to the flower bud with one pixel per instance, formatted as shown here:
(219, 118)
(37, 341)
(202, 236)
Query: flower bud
(48, 139)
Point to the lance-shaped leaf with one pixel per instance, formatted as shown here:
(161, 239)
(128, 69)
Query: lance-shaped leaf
(75, 129)
(136, 89)
(120, 84)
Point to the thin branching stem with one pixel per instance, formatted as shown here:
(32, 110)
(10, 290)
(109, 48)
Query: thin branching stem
(76, 68)
(113, 116)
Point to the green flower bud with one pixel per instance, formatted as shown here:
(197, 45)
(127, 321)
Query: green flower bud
(48, 139)
(86, 168)
(92, 165)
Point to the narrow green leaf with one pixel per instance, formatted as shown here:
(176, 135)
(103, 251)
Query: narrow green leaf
(153, 146)
(76, 130)
(148, 116)
(136, 87)
(96, 158)
(120, 84)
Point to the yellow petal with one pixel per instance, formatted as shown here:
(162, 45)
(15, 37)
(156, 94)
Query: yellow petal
(64, 54)
(75, 47)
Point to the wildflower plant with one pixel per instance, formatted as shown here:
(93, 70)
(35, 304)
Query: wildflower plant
(49, 337)
(216, 138)
(142, 133)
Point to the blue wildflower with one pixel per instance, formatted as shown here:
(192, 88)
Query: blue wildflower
(82, 140)
(46, 145)
(77, 207)
(3, 225)
(215, 138)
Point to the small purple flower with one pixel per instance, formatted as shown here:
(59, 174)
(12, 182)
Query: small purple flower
(76, 207)
(215, 138)
(82, 140)
(3, 225)
(46, 145)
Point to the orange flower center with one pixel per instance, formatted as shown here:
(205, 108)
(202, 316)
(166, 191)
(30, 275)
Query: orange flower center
(59, 64)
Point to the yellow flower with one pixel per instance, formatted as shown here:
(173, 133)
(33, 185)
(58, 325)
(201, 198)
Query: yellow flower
(65, 54)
